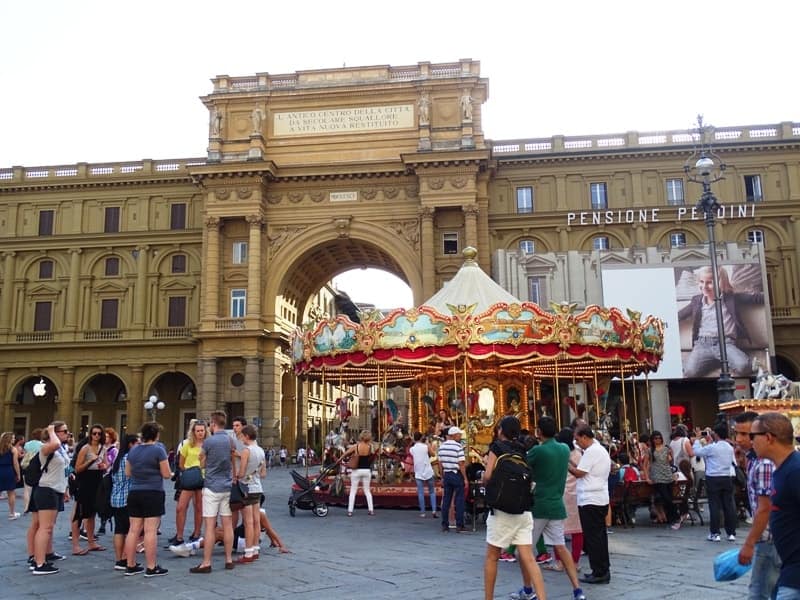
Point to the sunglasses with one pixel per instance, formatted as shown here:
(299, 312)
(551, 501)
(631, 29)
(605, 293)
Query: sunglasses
(752, 435)
(63, 431)
(97, 433)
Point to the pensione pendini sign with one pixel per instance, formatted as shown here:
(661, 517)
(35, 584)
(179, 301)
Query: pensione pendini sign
(657, 215)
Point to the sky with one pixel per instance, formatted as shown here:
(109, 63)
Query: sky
(92, 81)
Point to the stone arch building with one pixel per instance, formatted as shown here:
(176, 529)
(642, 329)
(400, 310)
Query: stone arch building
(183, 278)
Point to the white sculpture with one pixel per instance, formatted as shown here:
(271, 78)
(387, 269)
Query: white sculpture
(769, 386)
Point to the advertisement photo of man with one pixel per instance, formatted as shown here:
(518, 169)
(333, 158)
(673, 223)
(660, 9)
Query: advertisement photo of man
(743, 316)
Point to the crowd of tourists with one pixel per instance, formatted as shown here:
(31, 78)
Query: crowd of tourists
(121, 483)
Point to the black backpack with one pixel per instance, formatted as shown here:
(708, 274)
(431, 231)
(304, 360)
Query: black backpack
(33, 472)
(509, 488)
(102, 501)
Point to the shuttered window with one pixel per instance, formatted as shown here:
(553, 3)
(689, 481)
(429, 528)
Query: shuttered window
(108, 314)
(42, 316)
(177, 312)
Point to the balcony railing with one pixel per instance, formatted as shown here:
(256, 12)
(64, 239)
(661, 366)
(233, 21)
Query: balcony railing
(35, 336)
(171, 333)
(785, 312)
(229, 324)
(102, 334)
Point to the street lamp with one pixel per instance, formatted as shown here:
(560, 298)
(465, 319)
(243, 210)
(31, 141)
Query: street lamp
(705, 171)
(153, 404)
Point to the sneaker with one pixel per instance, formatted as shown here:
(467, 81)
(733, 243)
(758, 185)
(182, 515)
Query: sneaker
(181, 550)
(435, 515)
(45, 569)
(506, 557)
(54, 556)
(173, 541)
(155, 571)
(578, 594)
(121, 565)
(675, 526)
(544, 557)
(713, 537)
(134, 570)
(523, 595)
(731, 538)
(31, 563)
(422, 515)
(193, 538)
(13, 516)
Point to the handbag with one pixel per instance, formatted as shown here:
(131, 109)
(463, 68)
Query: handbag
(191, 479)
(239, 493)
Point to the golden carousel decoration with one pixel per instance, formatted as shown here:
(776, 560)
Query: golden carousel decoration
(478, 353)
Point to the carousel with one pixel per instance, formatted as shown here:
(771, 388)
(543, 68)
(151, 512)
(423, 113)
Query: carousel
(470, 355)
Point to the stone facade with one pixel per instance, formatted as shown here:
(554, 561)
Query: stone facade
(183, 278)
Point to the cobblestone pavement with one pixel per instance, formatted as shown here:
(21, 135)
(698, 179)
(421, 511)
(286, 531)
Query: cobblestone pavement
(395, 554)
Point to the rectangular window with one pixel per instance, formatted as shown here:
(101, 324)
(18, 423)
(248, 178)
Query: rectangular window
(46, 269)
(108, 313)
(600, 243)
(177, 312)
(46, 218)
(238, 304)
(675, 192)
(527, 246)
(450, 243)
(112, 266)
(177, 216)
(112, 219)
(752, 188)
(42, 316)
(525, 200)
(239, 253)
(755, 236)
(179, 263)
(677, 239)
(598, 196)
(537, 291)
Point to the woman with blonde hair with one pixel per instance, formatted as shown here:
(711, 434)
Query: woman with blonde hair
(361, 456)
(9, 472)
(189, 457)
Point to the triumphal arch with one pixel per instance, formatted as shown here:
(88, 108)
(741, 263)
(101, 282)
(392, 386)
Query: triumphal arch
(318, 172)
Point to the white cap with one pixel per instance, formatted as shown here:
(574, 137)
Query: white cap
(454, 431)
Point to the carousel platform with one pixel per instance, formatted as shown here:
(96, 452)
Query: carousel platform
(402, 494)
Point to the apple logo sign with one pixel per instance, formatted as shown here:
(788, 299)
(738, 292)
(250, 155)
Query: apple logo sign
(39, 389)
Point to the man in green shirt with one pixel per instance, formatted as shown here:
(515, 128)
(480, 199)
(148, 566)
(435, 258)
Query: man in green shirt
(548, 462)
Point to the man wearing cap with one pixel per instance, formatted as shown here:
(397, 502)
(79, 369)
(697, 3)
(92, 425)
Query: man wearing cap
(454, 478)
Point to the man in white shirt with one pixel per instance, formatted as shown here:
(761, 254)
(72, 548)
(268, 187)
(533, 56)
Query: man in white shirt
(421, 452)
(592, 486)
(715, 449)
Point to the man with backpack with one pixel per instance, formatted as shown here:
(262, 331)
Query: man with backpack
(508, 493)
(592, 474)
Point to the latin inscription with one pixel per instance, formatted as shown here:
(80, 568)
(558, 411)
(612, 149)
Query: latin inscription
(343, 120)
(344, 196)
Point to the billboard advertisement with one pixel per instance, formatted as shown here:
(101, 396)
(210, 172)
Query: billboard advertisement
(682, 295)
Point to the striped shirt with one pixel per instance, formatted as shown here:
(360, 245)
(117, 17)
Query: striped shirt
(450, 454)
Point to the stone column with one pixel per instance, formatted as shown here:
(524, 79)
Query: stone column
(563, 239)
(7, 401)
(659, 406)
(140, 299)
(426, 214)
(788, 277)
(66, 405)
(7, 291)
(207, 388)
(254, 269)
(210, 278)
(135, 404)
(471, 225)
(271, 399)
(73, 291)
(252, 388)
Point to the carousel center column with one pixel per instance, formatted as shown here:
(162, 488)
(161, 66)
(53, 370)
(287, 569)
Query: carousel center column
(426, 214)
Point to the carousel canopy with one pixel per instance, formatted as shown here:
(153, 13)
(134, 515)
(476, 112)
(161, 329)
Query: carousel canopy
(476, 322)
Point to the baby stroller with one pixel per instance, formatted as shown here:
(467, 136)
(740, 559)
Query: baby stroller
(476, 497)
(304, 492)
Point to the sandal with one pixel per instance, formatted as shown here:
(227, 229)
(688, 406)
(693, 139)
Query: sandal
(97, 548)
(553, 566)
(80, 552)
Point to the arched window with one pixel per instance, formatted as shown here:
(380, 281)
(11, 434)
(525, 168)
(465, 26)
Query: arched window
(527, 246)
(601, 242)
(677, 239)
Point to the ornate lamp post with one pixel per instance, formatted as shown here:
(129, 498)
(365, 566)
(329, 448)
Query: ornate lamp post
(705, 171)
(153, 405)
